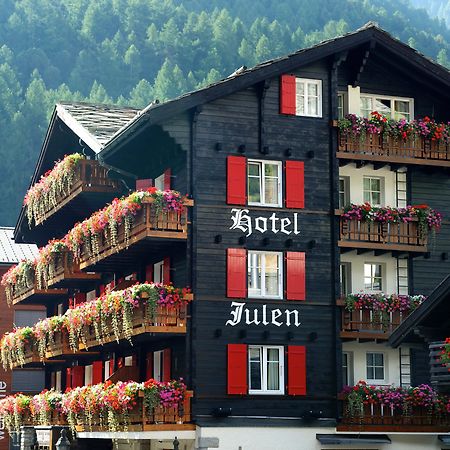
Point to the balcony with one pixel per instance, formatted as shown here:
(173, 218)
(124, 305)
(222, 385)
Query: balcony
(66, 272)
(381, 148)
(369, 408)
(379, 418)
(150, 230)
(405, 237)
(369, 324)
(159, 419)
(440, 373)
(33, 294)
(89, 190)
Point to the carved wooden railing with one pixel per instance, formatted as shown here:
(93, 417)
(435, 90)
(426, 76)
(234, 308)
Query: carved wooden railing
(385, 148)
(148, 223)
(440, 373)
(90, 176)
(34, 291)
(159, 418)
(384, 418)
(368, 323)
(395, 236)
(66, 269)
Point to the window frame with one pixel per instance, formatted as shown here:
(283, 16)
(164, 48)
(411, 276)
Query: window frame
(342, 104)
(348, 368)
(383, 276)
(392, 99)
(263, 275)
(263, 373)
(384, 366)
(305, 82)
(382, 190)
(262, 182)
(345, 267)
(346, 191)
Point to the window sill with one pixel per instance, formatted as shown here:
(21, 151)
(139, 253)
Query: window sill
(265, 393)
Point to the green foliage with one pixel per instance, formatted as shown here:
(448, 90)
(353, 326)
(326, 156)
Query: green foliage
(134, 51)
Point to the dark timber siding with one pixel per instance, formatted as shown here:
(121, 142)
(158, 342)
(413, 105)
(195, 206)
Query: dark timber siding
(233, 121)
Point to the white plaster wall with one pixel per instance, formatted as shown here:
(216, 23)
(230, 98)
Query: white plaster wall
(357, 270)
(281, 438)
(356, 182)
(391, 358)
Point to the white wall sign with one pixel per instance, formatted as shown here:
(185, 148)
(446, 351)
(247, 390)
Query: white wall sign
(240, 314)
(243, 220)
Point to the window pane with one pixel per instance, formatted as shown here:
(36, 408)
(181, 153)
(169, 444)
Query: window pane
(378, 359)
(271, 193)
(254, 169)
(271, 278)
(366, 106)
(271, 170)
(254, 190)
(312, 89)
(375, 184)
(300, 88)
(370, 373)
(273, 369)
(383, 106)
(254, 273)
(255, 368)
(379, 373)
(366, 184)
(376, 199)
(313, 106)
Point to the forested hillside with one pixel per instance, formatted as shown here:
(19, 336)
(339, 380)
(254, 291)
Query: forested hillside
(132, 51)
(435, 8)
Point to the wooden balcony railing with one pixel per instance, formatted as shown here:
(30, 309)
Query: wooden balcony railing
(384, 236)
(374, 147)
(89, 177)
(34, 294)
(66, 271)
(148, 224)
(159, 418)
(369, 324)
(381, 418)
(440, 373)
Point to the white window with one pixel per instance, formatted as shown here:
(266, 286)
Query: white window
(344, 191)
(266, 369)
(265, 274)
(158, 272)
(347, 369)
(345, 278)
(109, 368)
(309, 97)
(91, 295)
(128, 361)
(159, 182)
(88, 375)
(373, 190)
(58, 378)
(373, 277)
(264, 183)
(341, 105)
(394, 107)
(375, 366)
(158, 365)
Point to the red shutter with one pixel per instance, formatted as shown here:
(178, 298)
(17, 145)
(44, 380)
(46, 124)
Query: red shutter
(295, 276)
(237, 369)
(296, 370)
(149, 273)
(80, 297)
(97, 372)
(167, 181)
(236, 272)
(111, 367)
(120, 362)
(102, 289)
(144, 184)
(68, 378)
(77, 376)
(167, 365)
(236, 180)
(287, 95)
(149, 366)
(166, 270)
(295, 184)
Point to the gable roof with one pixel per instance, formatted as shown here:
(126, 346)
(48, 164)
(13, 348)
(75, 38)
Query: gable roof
(242, 79)
(10, 251)
(432, 311)
(95, 124)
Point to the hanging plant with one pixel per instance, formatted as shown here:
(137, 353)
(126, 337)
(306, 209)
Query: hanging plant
(18, 278)
(46, 261)
(45, 194)
(13, 346)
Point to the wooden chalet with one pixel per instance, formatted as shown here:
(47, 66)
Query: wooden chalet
(267, 247)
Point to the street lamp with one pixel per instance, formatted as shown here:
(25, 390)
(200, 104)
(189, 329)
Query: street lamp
(63, 443)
